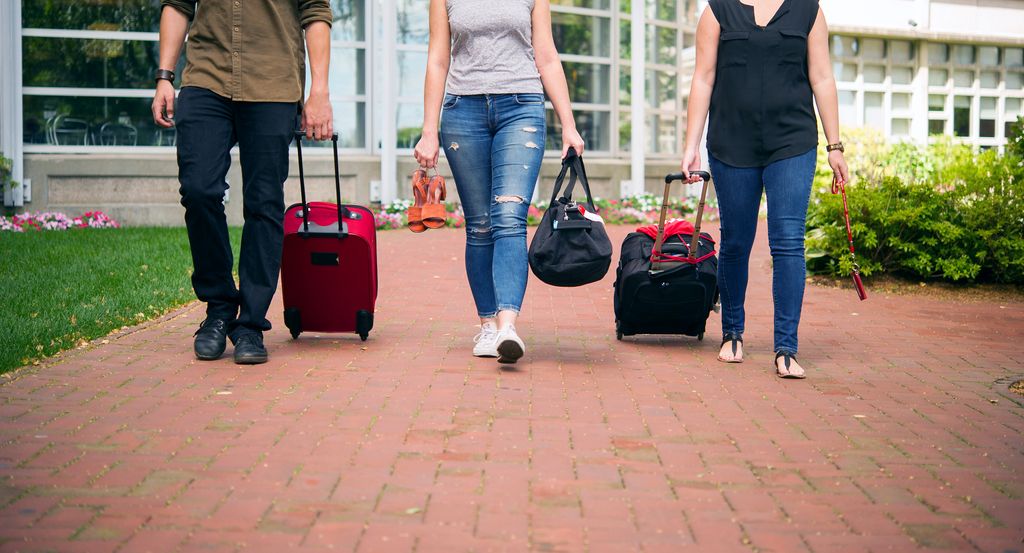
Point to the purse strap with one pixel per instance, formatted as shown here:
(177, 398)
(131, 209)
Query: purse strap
(573, 165)
(839, 187)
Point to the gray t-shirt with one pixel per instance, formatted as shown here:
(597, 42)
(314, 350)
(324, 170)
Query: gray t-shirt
(492, 47)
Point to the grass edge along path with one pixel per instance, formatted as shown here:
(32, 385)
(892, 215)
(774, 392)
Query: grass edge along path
(59, 289)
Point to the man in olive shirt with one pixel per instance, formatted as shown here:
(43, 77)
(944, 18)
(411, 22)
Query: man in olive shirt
(243, 85)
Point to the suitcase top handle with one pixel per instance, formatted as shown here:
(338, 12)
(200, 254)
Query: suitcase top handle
(341, 231)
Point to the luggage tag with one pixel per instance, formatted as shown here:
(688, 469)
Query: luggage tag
(591, 216)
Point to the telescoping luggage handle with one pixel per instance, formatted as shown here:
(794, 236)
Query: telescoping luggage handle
(657, 256)
(341, 229)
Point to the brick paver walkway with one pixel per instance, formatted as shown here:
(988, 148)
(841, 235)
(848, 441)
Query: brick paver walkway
(904, 436)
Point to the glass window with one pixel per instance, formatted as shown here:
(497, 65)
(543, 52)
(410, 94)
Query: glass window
(349, 21)
(348, 72)
(105, 15)
(350, 123)
(662, 134)
(1013, 57)
(412, 67)
(874, 113)
(91, 121)
(661, 90)
(873, 48)
(936, 126)
(593, 126)
(962, 116)
(410, 124)
(90, 63)
(595, 4)
(989, 79)
(902, 75)
(938, 77)
(963, 78)
(1014, 80)
(964, 54)
(938, 53)
(874, 73)
(901, 51)
(901, 127)
(987, 119)
(844, 46)
(936, 102)
(988, 55)
(848, 108)
(845, 72)
(581, 35)
(588, 82)
(413, 23)
(900, 101)
(664, 48)
(1011, 113)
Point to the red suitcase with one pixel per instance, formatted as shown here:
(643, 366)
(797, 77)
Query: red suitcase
(328, 271)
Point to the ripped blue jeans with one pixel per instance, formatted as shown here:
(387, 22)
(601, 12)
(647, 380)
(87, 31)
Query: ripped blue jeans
(494, 144)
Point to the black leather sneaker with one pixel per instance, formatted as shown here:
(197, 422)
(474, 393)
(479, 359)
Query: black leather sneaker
(211, 339)
(249, 349)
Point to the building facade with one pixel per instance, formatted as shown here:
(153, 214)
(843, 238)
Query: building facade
(75, 90)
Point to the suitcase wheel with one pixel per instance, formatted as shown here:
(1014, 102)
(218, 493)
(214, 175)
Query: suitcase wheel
(700, 337)
(618, 331)
(364, 323)
(293, 320)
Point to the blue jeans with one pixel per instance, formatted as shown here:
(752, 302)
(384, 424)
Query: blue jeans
(495, 144)
(787, 183)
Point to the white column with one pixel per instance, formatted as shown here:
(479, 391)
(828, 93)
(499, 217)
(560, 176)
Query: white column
(387, 102)
(10, 97)
(638, 95)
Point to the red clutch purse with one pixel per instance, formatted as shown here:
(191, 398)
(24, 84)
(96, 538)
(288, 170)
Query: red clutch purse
(838, 187)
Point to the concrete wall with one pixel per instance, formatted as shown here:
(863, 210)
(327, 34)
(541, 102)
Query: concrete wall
(997, 21)
(142, 190)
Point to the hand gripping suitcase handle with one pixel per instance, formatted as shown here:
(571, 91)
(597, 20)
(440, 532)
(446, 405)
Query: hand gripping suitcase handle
(342, 211)
(669, 179)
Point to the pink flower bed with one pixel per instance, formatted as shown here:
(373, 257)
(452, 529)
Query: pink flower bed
(52, 220)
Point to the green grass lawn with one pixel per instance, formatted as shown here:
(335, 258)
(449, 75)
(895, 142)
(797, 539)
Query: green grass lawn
(58, 288)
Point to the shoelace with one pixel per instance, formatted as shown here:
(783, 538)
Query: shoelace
(484, 334)
(253, 338)
(208, 323)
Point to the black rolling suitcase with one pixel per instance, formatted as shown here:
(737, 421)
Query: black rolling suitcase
(667, 285)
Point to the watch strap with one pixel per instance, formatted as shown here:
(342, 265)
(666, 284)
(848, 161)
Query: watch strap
(164, 74)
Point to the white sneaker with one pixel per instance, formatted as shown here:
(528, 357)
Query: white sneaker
(510, 345)
(486, 341)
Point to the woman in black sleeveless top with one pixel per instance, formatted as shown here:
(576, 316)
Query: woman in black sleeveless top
(761, 67)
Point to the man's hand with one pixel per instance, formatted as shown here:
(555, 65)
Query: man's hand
(318, 117)
(163, 104)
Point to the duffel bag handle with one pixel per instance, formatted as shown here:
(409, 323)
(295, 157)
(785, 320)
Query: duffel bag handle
(573, 165)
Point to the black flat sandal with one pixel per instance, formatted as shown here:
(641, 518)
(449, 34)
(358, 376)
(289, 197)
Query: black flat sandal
(787, 359)
(736, 339)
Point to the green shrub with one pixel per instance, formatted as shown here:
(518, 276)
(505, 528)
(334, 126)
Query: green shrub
(941, 211)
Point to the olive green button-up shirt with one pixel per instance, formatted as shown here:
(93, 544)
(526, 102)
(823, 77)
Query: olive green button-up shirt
(249, 50)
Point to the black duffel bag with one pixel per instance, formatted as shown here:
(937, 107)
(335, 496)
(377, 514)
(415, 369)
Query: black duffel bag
(570, 248)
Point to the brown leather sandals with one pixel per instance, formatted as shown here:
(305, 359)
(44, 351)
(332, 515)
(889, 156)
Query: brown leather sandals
(428, 210)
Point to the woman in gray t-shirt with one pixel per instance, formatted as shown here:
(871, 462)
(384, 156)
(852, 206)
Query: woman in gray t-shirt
(488, 67)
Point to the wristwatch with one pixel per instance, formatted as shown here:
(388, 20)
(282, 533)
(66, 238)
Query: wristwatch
(165, 74)
(837, 146)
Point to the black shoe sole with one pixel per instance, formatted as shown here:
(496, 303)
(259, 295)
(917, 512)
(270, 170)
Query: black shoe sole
(509, 352)
(251, 360)
(202, 357)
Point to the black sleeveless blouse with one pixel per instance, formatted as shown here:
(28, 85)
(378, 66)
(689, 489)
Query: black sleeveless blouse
(762, 106)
